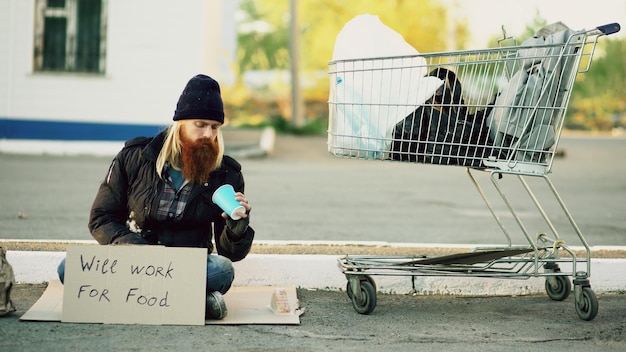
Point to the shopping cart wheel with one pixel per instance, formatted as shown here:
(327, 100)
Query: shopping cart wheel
(365, 302)
(558, 287)
(362, 278)
(586, 304)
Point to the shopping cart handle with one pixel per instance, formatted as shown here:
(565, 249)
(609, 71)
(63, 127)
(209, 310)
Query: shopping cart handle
(609, 28)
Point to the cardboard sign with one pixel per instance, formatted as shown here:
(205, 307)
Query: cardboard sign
(134, 285)
(246, 305)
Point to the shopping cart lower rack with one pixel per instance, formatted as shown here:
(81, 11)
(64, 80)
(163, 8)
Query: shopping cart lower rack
(499, 111)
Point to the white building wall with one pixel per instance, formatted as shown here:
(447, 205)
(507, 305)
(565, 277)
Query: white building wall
(153, 48)
(13, 21)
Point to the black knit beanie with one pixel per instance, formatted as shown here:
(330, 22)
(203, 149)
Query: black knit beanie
(200, 99)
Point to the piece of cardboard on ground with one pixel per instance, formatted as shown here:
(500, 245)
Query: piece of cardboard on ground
(49, 306)
(153, 285)
(470, 257)
(246, 305)
(252, 305)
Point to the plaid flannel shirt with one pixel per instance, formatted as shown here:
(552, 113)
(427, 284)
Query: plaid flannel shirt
(173, 202)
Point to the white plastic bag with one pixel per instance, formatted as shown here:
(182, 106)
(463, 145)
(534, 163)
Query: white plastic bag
(370, 96)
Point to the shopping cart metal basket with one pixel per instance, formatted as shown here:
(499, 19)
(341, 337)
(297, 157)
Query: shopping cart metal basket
(497, 110)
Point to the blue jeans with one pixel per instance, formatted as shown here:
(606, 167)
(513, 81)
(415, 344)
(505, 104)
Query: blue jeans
(220, 273)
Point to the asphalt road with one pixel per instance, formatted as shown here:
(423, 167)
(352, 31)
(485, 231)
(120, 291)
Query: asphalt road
(399, 323)
(304, 193)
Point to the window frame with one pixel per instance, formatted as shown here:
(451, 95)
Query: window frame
(70, 13)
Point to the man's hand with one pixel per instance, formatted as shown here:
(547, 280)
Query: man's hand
(239, 227)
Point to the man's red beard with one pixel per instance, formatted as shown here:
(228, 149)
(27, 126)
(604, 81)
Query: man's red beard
(198, 159)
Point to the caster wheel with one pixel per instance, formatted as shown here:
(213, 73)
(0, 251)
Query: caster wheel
(587, 306)
(558, 287)
(366, 301)
(362, 278)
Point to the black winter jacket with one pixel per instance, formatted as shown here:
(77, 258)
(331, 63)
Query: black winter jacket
(130, 195)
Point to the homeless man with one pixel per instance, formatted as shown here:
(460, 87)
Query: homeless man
(158, 192)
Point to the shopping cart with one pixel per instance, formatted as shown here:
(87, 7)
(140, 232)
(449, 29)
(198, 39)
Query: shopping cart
(498, 110)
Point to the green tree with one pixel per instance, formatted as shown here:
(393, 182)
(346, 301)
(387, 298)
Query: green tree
(263, 41)
(422, 23)
(599, 96)
(263, 36)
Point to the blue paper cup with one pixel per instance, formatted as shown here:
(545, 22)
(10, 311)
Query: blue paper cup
(224, 197)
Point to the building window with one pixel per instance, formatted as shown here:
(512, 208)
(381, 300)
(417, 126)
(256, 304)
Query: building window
(70, 36)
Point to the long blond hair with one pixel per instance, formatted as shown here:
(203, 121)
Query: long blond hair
(170, 152)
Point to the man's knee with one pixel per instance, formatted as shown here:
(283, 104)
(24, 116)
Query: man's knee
(220, 274)
(218, 263)
(61, 271)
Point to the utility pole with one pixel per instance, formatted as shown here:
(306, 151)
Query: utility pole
(451, 28)
(297, 107)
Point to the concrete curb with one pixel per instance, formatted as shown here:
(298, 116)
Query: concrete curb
(245, 144)
(321, 272)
